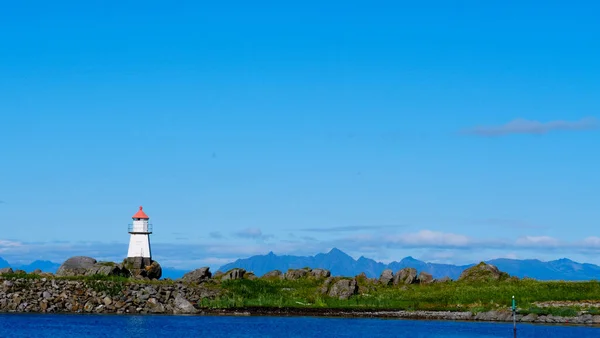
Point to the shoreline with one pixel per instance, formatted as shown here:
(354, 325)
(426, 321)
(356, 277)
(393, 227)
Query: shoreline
(488, 316)
(483, 317)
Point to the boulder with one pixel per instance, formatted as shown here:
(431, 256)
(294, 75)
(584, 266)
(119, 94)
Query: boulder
(425, 278)
(76, 266)
(343, 289)
(249, 276)
(233, 274)
(294, 274)
(482, 272)
(406, 276)
(182, 306)
(275, 274)
(37, 272)
(198, 275)
(4, 271)
(387, 276)
(320, 273)
(442, 280)
(143, 267)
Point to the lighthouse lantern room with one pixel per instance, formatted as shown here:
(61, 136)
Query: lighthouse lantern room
(140, 230)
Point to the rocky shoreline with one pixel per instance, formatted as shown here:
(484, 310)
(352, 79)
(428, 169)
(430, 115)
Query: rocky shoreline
(489, 316)
(51, 295)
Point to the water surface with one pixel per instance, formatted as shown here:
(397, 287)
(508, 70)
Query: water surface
(126, 326)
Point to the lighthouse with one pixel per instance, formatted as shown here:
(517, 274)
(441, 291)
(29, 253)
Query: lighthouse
(140, 230)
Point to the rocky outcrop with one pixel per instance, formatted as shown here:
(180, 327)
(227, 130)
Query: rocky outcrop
(88, 266)
(76, 296)
(141, 267)
(320, 273)
(5, 271)
(198, 276)
(294, 274)
(425, 278)
(482, 272)
(233, 274)
(442, 280)
(387, 276)
(406, 276)
(343, 289)
(275, 274)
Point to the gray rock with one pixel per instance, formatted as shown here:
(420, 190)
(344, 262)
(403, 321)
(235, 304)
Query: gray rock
(425, 278)
(76, 266)
(275, 274)
(442, 280)
(320, 273)
(325, 286)
(294, 274)
(406, 276)
(182, 306)
(343, 289)
(530, 318)
(46, 295)
(198, 275)
(233, 274)
(6, 271)
(387, 276)
(155, 306)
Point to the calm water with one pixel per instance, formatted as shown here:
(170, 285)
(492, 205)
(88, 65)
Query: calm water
(58, 326)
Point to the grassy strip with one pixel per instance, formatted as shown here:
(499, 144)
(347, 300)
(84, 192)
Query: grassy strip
(451, 296)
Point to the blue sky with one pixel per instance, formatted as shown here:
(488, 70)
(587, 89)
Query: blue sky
(452, 133)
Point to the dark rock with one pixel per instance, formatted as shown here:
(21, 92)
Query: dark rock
(425, 278)
(233, 274)
(343, 289)
(250, 276)
(320, 273)
(406, 276)
(142, 267)
(387, 276)
(275, 274)
(6, 271)
(198, 275)
(482, 272)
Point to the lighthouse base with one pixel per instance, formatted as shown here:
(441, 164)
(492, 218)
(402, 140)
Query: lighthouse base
(143, 267)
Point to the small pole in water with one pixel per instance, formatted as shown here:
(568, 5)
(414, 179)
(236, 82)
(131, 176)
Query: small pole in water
(514, 311)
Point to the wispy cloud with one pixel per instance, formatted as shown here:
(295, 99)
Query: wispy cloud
(524, 126)
(349, 228)
(252, 233)
(216, 235)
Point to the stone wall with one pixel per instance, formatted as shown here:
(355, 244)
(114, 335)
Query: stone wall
(79, 296)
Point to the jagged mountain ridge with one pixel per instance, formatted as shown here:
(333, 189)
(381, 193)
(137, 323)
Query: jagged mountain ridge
(341, 264)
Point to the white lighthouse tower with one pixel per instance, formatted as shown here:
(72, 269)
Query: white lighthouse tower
(140, 230)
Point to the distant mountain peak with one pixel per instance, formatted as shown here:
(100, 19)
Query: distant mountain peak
(341, 264)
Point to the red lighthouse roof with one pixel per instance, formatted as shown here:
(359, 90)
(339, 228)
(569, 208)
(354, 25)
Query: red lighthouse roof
(140, 214)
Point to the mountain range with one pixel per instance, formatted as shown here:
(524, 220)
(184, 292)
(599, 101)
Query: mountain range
(341, 264)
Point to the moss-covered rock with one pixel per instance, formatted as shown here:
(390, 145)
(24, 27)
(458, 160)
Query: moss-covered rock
(483, 272)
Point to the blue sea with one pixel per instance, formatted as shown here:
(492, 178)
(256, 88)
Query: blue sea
(58, 326)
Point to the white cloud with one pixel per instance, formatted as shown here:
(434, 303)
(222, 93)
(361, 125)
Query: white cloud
(431, 238)
(523, 126)
(538, 241)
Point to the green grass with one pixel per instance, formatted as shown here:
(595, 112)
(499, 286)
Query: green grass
(452, 296)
